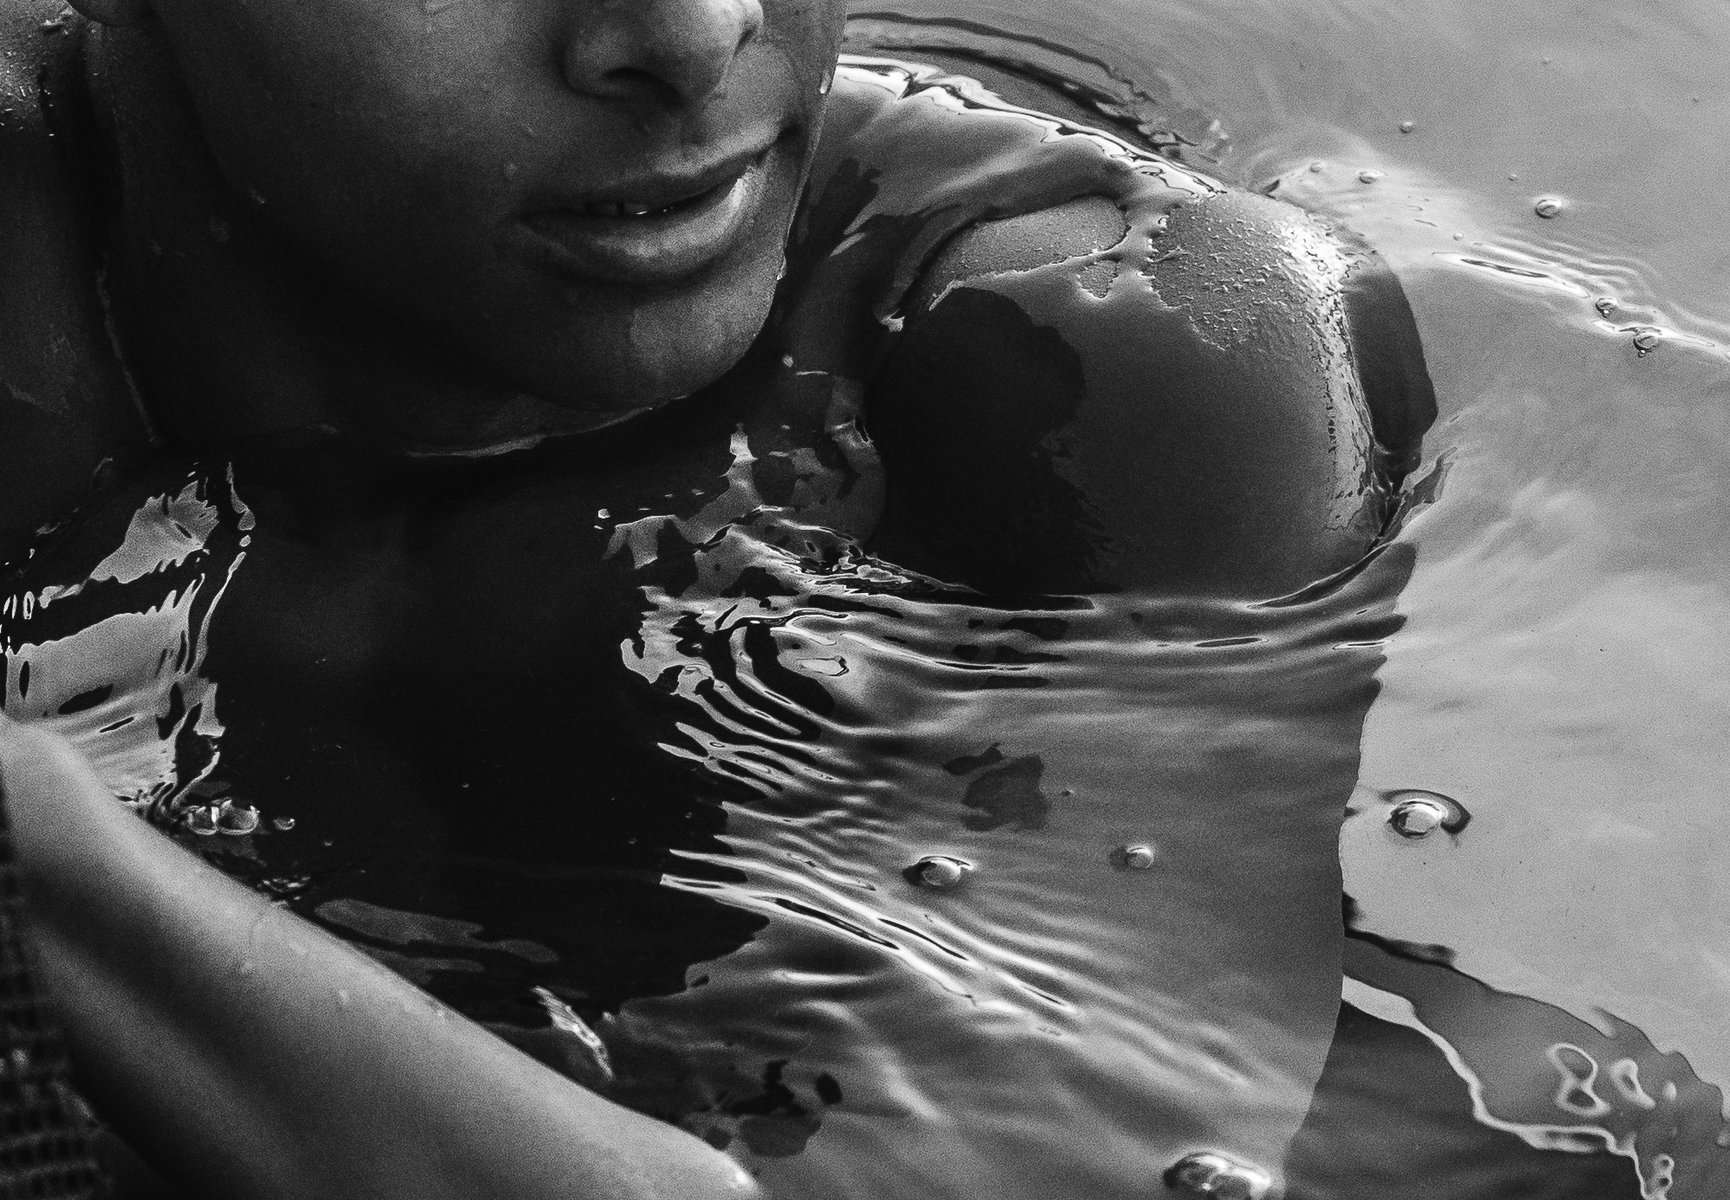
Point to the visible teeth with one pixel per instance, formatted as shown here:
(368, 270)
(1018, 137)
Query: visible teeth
(628, 208)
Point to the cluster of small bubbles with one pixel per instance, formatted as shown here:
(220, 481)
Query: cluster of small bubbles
(1605, 305)
(1647, 338)
(938, 872)
(1417, 814)
(1368, 175)
(1663, 1175)
(1218, 1177)
(1548, 207)
(1408, 126)
(1136, 856)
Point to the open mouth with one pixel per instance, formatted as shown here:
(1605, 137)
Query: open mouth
(633, 208)
(671, 230)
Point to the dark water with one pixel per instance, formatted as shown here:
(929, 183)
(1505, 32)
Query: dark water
(1134, 949)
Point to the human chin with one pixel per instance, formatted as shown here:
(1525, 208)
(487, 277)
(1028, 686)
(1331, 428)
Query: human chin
(608, 348)
(628, 319)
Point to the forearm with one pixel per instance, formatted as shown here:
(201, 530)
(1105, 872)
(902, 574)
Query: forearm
(256, 1056)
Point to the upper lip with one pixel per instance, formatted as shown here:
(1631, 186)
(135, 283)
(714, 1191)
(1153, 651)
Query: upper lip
(659, 188)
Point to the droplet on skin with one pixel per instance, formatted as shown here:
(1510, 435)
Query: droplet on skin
(341, 997)
(1548, 207)
(1417, 814)
(938, 872)
(1136, 856)
(1368, 176)
(1647, 339)
(1317, 167)
(1218, 1178)
(1408, 126)
(1605, 305)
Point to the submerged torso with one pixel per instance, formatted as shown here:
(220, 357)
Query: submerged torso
(639, 721)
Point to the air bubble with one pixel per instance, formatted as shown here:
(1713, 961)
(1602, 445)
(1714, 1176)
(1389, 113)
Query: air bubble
(1548, 207)
(1417, 814)
(201, 821)
(1136, 856)
(236, 820)
(1218, 1177)
(1317, 167)
(1647, 339)
(937, 872)
(283, 824)
(1368, 176)
(1605, 305)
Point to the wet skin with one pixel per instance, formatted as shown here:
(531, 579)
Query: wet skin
(326, 259)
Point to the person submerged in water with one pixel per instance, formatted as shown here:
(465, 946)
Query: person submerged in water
(390, 262)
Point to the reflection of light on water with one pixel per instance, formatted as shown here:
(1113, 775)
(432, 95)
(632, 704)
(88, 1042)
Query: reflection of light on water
(952, 848)
(127, 687)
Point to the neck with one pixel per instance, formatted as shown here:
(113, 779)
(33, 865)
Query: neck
(234, 330)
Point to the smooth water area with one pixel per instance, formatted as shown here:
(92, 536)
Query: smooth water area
(1040, 896)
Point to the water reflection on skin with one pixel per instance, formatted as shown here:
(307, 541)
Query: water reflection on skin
(689, 821)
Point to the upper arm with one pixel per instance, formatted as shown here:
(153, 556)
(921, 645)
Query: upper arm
(1069, 411)
(65, 404)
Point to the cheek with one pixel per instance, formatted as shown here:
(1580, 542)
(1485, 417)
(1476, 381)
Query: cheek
(345, 106)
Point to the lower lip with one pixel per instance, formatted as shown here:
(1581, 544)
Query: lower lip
(655, 248)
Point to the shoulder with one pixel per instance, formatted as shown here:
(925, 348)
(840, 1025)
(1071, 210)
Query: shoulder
(1215, 396)
(1248, 266)
(64, 402)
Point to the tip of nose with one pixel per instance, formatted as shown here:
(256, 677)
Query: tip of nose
(679, 50)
